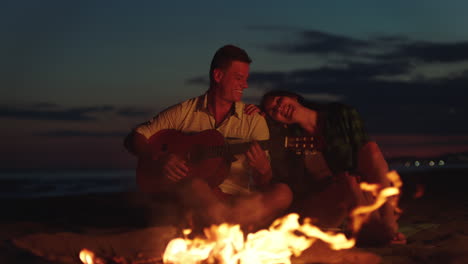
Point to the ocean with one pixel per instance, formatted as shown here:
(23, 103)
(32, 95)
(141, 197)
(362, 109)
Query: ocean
(42, 183)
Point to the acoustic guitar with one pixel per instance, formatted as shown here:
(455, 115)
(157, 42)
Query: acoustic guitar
(207, 153)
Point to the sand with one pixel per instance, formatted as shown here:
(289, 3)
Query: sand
(436, 224)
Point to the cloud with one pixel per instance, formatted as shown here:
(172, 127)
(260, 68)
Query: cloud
(54, 112)
(42, 112)
(80, 133)
(391, 39)
(199, 80)
(44, 105)
(430, 52)
(385, 47)
(322, 43)
(336, 82)
(134, 112)
(278, 28)
(323, 97)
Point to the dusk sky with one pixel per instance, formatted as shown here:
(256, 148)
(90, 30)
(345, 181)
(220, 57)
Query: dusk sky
(76, 76)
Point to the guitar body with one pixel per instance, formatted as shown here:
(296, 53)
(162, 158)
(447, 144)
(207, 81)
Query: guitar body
(207, 156)
(212, 169)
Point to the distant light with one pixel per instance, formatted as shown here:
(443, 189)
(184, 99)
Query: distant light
(417, 163)
(441, 163)
(431, 163)
(407, 164)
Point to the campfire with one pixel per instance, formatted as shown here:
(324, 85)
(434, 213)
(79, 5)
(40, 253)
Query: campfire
(226, 243)
(285, 238)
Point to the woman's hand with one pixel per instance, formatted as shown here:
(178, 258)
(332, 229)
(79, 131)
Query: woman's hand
(251, 109)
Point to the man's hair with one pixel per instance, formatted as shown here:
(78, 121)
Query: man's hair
(225, 55)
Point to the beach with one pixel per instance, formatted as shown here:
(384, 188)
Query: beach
(434, 219)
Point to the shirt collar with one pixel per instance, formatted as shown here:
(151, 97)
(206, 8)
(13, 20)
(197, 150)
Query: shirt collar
(202, 105)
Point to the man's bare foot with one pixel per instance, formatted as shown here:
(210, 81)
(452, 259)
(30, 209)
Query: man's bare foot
(248, 211)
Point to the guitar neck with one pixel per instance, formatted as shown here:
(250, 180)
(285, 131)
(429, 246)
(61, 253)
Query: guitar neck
(297, 144)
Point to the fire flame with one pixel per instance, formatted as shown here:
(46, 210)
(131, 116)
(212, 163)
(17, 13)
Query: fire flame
(286, 237)
(86, 256)
(361, 213)
(225, 243)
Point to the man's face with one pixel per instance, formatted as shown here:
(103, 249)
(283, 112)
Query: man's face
(232, 81)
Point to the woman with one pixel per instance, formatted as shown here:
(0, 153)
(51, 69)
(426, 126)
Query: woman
(325, 179)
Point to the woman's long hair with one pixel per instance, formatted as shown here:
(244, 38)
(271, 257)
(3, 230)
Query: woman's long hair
(300, 99)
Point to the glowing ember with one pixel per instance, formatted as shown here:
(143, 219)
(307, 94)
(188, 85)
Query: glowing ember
(419, 191)
(88, 257)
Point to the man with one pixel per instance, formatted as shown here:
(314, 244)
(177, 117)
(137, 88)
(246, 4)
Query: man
(246, 196)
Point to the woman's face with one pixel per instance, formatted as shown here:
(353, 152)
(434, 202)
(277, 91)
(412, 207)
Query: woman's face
(281, 108)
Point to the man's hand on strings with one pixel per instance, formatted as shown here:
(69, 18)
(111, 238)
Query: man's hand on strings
(174, 167)
(257, 158)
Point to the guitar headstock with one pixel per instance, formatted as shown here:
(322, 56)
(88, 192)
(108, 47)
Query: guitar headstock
(304, 144)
